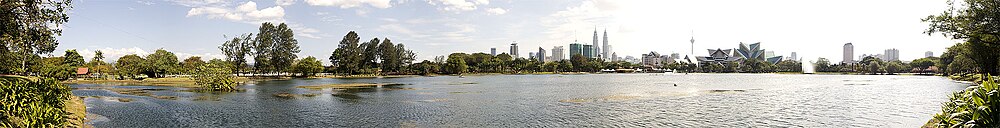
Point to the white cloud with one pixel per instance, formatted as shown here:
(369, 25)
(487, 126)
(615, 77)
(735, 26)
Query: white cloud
(145, 2)
(496, 11)
(112, 54)
(458, 5)
(246, 12)
(350, 3)
(284, 2)
(199, 3)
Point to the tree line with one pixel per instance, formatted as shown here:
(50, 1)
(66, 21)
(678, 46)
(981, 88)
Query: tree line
(373, 57)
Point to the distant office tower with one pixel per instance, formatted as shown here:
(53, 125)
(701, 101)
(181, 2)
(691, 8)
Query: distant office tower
(607, 47)
(513, 50)
(531, 55)
(541, 54)
(595, 48)
(493, 51)
(793, 57)
(891, 54)
(557, 53)
(848, 53)
(652, 59)
(614, 56)
(575, 48)
(928, 54)
(588, 51)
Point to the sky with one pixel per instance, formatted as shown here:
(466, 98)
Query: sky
(431, 28)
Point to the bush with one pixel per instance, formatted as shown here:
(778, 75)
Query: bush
(215, 77)
(28, 103)
(976, 106)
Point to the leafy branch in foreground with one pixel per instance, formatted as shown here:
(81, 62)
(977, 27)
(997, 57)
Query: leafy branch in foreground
(975, 107)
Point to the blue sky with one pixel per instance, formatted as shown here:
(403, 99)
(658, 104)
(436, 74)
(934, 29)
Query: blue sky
(439, 27)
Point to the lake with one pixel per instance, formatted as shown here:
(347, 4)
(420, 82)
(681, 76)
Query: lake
(598, 100)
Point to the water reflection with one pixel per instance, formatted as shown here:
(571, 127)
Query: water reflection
(609, 100)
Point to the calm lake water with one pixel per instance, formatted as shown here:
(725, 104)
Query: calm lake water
(601, 100)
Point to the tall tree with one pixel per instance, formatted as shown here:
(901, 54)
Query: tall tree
(237, 49)
(27, 28)
(347, 57)
(976, 22)
(129, 65)
(191, 63)
(285, 48)
(369, 54)
(160, 63)
(389, 56)
(98, 56)
(73, 58)
(263, 45)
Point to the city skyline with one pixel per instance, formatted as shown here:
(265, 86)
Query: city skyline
(194, 28)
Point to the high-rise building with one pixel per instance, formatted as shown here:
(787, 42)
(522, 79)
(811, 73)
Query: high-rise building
(513, 50)
(493, 51)
(588, 51)
(595, 48)
(614, 56)
(574, 49)
(557, 53)
(531, 55)
(848, 53)
(541, 54)
(606, 53)
(928, 54)
(891, 54)
(793, 57)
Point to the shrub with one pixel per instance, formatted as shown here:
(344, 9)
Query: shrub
(976, 106)
(215, 77)
(28, 103)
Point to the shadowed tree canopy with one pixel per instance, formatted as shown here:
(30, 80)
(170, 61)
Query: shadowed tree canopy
(160, 63)
(978, 23)
(27, 28)
(73, 58)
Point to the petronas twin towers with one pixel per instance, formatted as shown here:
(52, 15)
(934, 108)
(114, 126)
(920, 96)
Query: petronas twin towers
(603, 51)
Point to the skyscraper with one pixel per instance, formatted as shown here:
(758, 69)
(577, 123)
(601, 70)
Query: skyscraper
(848, 53)
(513, 50)
(541, 54)
(575, 48)
(606, 54)
(595, 48)
(891, 54)
(588, 51)
(493, 51)
(557, 53)
(928, 54)
(793, 57)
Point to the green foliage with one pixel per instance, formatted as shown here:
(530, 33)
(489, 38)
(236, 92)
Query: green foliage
(789, 66)
(29, 28)
(73, 59)
(275, 48)
(456, 63)
(160, 63)
(237, 49)
(130, 66)
(975, 107)
(215, 76)
(32, 103)
(53, 67)
(191, 63)
(308, 66)
(975, 22)
(347, 56)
